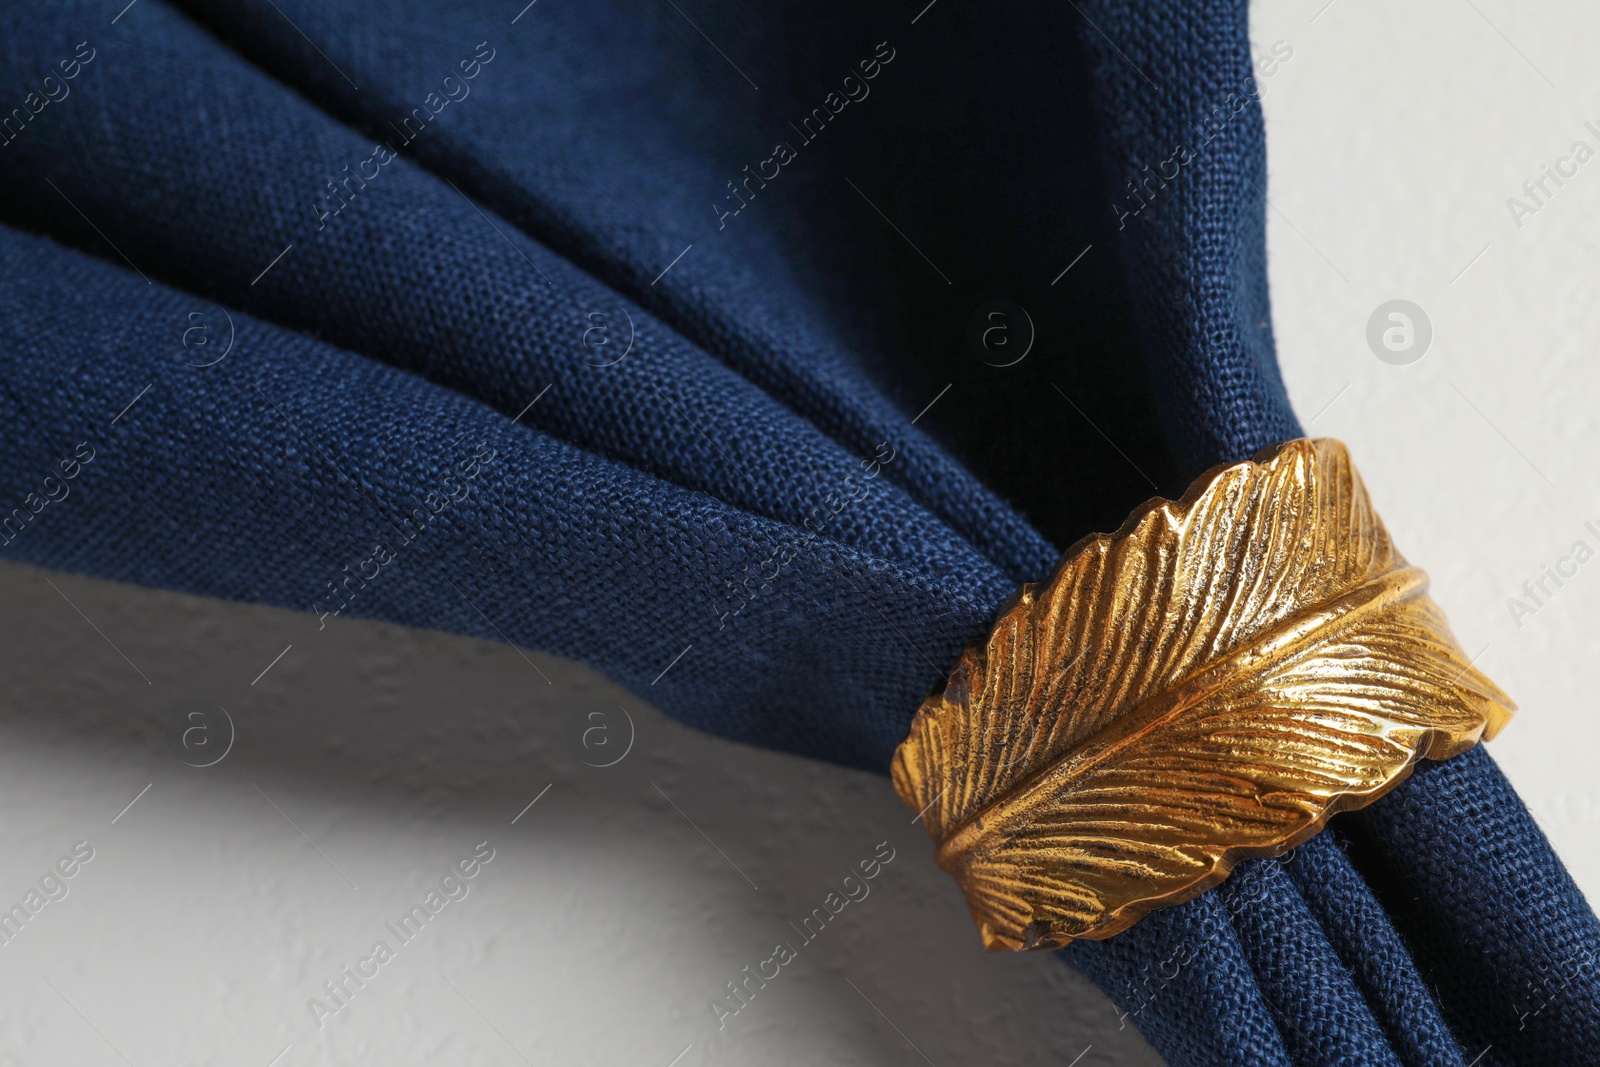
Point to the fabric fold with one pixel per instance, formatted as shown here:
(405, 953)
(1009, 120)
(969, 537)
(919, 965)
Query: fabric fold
(1495, 923)
(297, 474)
(525, 149)
(805, 487)
(1371, 948)
(412, 273)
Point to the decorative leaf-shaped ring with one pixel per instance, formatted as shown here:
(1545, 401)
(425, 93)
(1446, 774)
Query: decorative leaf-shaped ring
(1211, 682)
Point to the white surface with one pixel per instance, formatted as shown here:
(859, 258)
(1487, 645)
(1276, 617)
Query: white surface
(1395, 137)
(598, 934)
(606, 920)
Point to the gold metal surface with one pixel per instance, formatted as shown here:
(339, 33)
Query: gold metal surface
(1211, 682)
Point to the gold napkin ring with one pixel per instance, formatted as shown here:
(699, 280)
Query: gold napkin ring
(1212, 681)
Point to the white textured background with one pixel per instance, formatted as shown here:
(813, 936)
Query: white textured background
(1396, 135)
(369, 758)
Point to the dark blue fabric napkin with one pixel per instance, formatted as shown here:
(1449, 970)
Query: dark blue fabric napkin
(652, 335)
